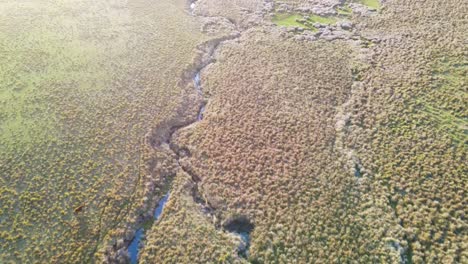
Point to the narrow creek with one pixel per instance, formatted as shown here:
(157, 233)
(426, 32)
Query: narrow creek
(135, 244)
(134, 247)
(240, 228)
(192, 6)
(237, 227)
(197, 84)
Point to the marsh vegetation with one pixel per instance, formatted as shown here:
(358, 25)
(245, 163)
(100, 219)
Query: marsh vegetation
(286, 131)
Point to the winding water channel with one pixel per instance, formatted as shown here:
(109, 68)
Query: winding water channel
(238, 227)
(134, 247)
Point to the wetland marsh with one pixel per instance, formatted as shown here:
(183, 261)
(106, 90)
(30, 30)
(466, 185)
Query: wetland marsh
(285, 131)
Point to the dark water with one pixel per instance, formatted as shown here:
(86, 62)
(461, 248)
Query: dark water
(241, 227)
(200, 113)
(243, 247)
(197, 82)
(244, 236)
(198, 87)
(134, 247)
(160, 207)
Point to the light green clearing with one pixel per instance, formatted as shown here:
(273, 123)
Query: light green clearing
(371, 3)
(292, 20)
(448, 113)
(25, 82)
(323, 19)
(456, 127)
(287, 20)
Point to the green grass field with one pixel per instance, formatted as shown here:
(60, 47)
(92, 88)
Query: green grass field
(81, 84)
(292, 20)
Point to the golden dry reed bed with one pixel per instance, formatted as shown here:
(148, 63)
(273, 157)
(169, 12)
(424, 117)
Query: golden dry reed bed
(345, 150)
